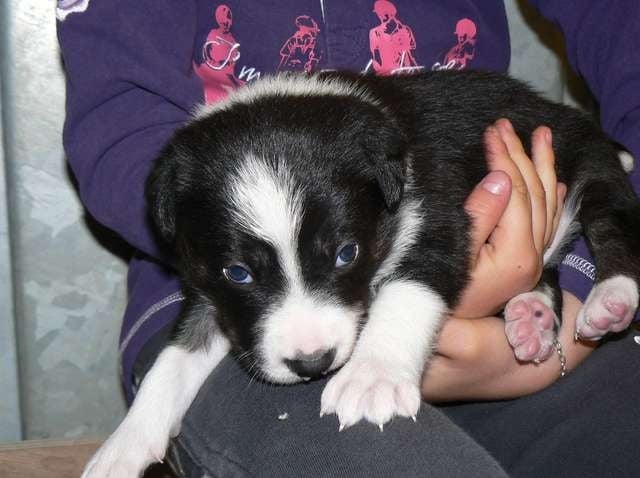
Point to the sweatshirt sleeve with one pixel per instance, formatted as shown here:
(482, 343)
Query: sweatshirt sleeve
(130, 84)
(602, 39)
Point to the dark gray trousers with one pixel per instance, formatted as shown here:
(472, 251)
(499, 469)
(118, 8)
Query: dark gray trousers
(588, 424)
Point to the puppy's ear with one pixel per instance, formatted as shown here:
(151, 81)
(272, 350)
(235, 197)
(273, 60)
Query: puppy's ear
(386, 151)
(161, 194)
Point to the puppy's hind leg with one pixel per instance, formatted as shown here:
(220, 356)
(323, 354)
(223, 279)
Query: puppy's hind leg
(164, 397)
(532, 319)
(610, 217)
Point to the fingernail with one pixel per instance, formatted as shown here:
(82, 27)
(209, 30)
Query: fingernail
(547, 136)
(505, 124)
(494, 183)
(562, 191)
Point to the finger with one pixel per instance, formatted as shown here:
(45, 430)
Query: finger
(485, 205)
(560, 197)
(514, 228)
(499, 159)
(544, 162)
(533, 187)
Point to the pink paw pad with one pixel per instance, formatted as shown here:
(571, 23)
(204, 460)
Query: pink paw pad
(529, 322)
(609, 308)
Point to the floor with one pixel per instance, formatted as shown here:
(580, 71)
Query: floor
(54, 459)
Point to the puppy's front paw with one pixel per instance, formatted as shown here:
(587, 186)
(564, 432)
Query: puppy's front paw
(609, 308)
(123, 455)
(529, 321)
(371, 390)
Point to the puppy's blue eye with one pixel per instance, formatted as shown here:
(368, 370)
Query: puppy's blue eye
(346, 255)
(237, 274)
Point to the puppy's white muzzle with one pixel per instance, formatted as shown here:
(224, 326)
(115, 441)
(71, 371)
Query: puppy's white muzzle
(306, 336)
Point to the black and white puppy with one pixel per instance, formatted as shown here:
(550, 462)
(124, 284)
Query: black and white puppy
(318, 223)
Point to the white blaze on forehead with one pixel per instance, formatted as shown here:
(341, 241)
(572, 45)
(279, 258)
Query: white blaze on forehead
(267, 203)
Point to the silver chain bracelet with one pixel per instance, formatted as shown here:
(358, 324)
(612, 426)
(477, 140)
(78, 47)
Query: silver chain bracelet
(562, 357)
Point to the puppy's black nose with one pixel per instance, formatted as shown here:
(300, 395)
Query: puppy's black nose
(311, 365)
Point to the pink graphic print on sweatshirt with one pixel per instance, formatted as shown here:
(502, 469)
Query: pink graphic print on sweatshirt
(459, 56)
(300, 51)
(220, 53)
(392, 43)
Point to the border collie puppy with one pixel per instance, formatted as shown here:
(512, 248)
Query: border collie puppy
(318, 224)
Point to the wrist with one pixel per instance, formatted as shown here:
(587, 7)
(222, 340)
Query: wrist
(476, 362)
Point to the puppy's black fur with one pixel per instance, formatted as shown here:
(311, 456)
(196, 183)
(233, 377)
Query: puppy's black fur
(351, 157)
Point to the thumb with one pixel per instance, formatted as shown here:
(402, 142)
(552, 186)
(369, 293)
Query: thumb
(485, 205)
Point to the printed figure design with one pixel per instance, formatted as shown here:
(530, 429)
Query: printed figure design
(300, 51)
(220, 53)
(459, 56)
(66, 7)
(392, 43)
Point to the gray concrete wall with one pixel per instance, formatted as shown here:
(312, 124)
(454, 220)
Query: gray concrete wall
(69, 291)
(10, 426)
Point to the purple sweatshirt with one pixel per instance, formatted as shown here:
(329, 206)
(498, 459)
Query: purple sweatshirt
(137, 69)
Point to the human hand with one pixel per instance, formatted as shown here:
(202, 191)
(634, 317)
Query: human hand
(475, 361)
(515, 212)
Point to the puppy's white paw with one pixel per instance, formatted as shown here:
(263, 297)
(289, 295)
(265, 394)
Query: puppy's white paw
(371, 390)
(610, 307)
(529, 321)
(124, 454)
